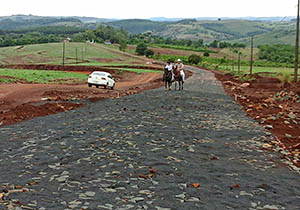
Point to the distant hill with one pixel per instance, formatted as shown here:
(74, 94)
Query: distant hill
(268, 19)
(209, 30)
(20, 22)
(93, 19)
(267, 30)
(25, 22)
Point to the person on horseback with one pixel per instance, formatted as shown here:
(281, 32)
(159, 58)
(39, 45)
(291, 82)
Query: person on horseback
(169, 68)
(180, 67)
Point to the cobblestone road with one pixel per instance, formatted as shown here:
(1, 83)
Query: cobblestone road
(158, 150)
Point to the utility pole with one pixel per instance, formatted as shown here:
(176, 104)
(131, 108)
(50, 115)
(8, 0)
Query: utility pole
(297, 45)
(64, 48)
(251, 61)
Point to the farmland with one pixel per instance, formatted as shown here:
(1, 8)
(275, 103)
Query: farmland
(52, 54)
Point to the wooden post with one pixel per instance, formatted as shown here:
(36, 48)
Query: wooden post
(251, 61)
(76, 56)
(64, 48)
(233, 60)
(227, 64)
(297, 46)
(239, 63)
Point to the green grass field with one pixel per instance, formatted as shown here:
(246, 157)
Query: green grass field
(53, 53)
(263, 71)
(41, 76)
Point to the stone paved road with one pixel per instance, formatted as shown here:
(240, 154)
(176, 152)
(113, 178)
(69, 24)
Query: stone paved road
(160, 149)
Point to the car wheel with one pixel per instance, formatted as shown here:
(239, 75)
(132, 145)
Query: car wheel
(97, 86)
(112, 87)
(89, 85)
(106, 86)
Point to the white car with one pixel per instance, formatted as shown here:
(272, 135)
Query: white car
(101, 78)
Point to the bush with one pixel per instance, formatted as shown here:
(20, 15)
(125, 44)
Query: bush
(148, 53)
(285, 77)
(194, 59)
(141, 48)
(123, 46)
(206, 54)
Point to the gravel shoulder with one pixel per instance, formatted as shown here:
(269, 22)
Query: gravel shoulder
(158, 149)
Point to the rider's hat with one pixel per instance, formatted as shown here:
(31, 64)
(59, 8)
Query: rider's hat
(178, 60)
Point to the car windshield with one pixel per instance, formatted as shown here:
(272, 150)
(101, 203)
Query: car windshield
(99, 74)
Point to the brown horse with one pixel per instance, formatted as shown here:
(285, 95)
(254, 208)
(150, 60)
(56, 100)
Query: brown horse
(167, 78)
(178, 78)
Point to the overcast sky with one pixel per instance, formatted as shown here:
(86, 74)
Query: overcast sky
(123, 9)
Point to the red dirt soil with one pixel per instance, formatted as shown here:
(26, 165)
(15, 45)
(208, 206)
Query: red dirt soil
(274, 105)
(22, 101)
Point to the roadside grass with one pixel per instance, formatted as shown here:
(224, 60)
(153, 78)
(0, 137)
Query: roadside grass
(259, 70)
(42, 76)
(283, 74)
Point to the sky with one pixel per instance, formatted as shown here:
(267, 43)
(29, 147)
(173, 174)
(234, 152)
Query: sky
(125, 9)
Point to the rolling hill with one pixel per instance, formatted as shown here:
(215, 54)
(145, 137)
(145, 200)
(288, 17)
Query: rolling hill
(266, 30)
(209, 30)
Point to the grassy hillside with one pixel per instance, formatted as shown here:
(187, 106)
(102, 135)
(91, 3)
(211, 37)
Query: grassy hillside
(95, 54)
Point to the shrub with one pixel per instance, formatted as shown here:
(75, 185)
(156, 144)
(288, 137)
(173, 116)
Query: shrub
(148, 53)
(285, 78)
(206, 54)
(194, 59)
(141, 48)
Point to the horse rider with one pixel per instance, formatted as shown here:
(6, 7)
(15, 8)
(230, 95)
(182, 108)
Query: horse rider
(179, 65)
(169, 67)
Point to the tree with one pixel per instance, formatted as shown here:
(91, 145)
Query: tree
(189, 43)
(224, 45)
(206, 54)
(214, 44)
(148, 53)
(123, 45)
(194, 59)
(141, 48)
(199, 43)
